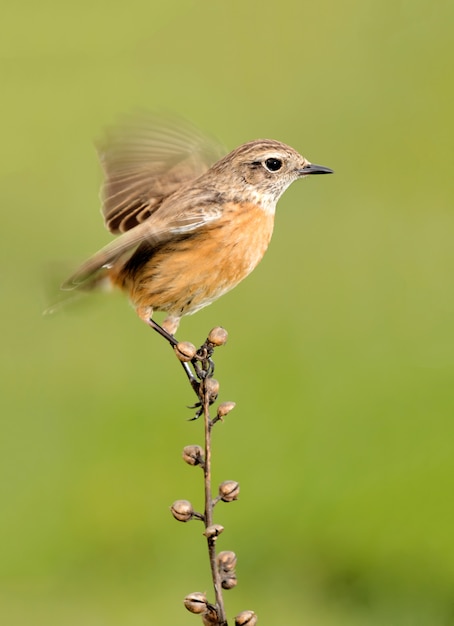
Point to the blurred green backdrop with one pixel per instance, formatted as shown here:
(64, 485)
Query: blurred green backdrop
(340, 356)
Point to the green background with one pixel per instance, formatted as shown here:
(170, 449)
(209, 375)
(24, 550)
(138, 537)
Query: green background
(340, 355)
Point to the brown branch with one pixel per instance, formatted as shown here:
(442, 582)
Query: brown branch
(222, 565)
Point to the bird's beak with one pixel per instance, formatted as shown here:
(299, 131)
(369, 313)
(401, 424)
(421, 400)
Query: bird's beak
(311, 168)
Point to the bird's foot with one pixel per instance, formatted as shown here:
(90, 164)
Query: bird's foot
(200, 377)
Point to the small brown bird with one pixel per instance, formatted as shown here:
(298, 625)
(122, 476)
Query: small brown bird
(189, 230)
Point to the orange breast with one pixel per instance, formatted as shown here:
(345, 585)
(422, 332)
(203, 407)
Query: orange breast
(190, 272)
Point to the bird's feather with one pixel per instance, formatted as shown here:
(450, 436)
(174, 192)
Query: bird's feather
(145, 160)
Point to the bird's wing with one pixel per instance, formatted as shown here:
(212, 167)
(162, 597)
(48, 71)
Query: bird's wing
(182, 217)
(145, 160)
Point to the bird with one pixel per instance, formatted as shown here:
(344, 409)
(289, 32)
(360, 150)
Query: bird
(191, 222)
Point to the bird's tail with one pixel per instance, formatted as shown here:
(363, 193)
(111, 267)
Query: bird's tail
(99, 282)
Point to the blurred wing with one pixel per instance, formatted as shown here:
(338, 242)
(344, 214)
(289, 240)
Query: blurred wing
(155, 231)
(145, 161)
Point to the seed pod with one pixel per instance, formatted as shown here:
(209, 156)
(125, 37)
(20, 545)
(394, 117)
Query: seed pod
(210, 617)
(211, 388)
(218, 336)
(196, 602)
(193, 455)
(229, 490)
(185, 351)
(213, 531)
(182, 510)
(224, 408)
(229, 582)
(246, 618)
(226, 561)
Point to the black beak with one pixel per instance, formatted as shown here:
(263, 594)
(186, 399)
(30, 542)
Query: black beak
(311, 168)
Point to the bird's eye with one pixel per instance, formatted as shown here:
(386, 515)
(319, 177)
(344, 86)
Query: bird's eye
(273, 165)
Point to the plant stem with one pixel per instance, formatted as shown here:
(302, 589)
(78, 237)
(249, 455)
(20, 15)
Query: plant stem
(222, 621)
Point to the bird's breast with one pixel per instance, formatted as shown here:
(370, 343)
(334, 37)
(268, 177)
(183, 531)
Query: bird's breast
(244, 230)
(190, 272)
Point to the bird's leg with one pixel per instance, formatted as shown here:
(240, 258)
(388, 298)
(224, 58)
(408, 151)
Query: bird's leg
(202, 363)
(173, 342)
(159, 329)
